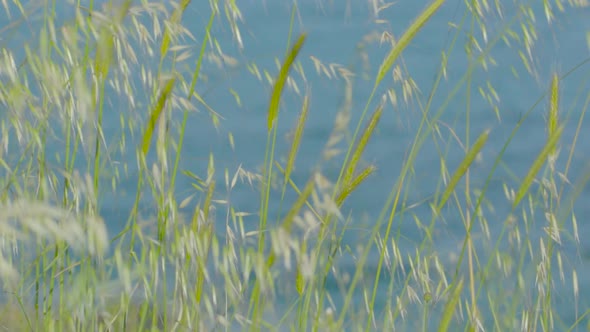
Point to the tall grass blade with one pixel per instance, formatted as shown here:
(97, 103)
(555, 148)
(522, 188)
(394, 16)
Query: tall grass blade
(296, 141)
(106, 42)
(463, 167)
(299, 277)
(273, 110)
(155, 115)
(349, 188)
(537, 164)
(177, 15)
(449, 309)
(553, 120)
(175, 19)
(290, 217)
(299, 281)
(104, 53)
(288, 221)
(405, 39)
(197, 71)
(360, 148)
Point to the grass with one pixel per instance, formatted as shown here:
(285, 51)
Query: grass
(109, 95)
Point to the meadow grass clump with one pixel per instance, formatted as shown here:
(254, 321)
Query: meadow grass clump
(107, 224)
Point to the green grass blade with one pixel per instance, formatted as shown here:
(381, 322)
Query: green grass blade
(288, 221)
(349, 188)
(155, 115)
(299, 281)
(124, 10)
(360, 148)
(296, 141)
(197, 71)
(175, 18)
(299, 277)
(177, 15)
(298, 191)
(449, 309)
(104, 53)
(273, 110)
(290, 217)
(406, 38)
(106, 42)
(553, 121)
(537, 164)
(463, 167)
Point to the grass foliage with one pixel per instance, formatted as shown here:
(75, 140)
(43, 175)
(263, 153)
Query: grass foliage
(201, 264)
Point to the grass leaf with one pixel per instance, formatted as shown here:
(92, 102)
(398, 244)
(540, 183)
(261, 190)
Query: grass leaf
(537, 164)
(360, 148)
(175, 19)
(553, 120)
(106, 42)
(449, 309)
(104, 53)
(273, 110)
(349, 188)
(300, 278)
(462, 169)
(288, 221)
(296, 140)
(155, 115)
(405, 39)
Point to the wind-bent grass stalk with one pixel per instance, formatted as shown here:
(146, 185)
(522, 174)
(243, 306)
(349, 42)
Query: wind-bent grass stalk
(350, 185)
(45, 51)
(396, 192)
(155, 116)
(303, 196)
(461, 171)
(101, 67)
(468, 219)
(200, 279)
(554, 130)
(257, 303)
(576, 135)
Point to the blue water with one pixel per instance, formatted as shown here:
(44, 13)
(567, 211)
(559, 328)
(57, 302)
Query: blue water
(334, 30)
